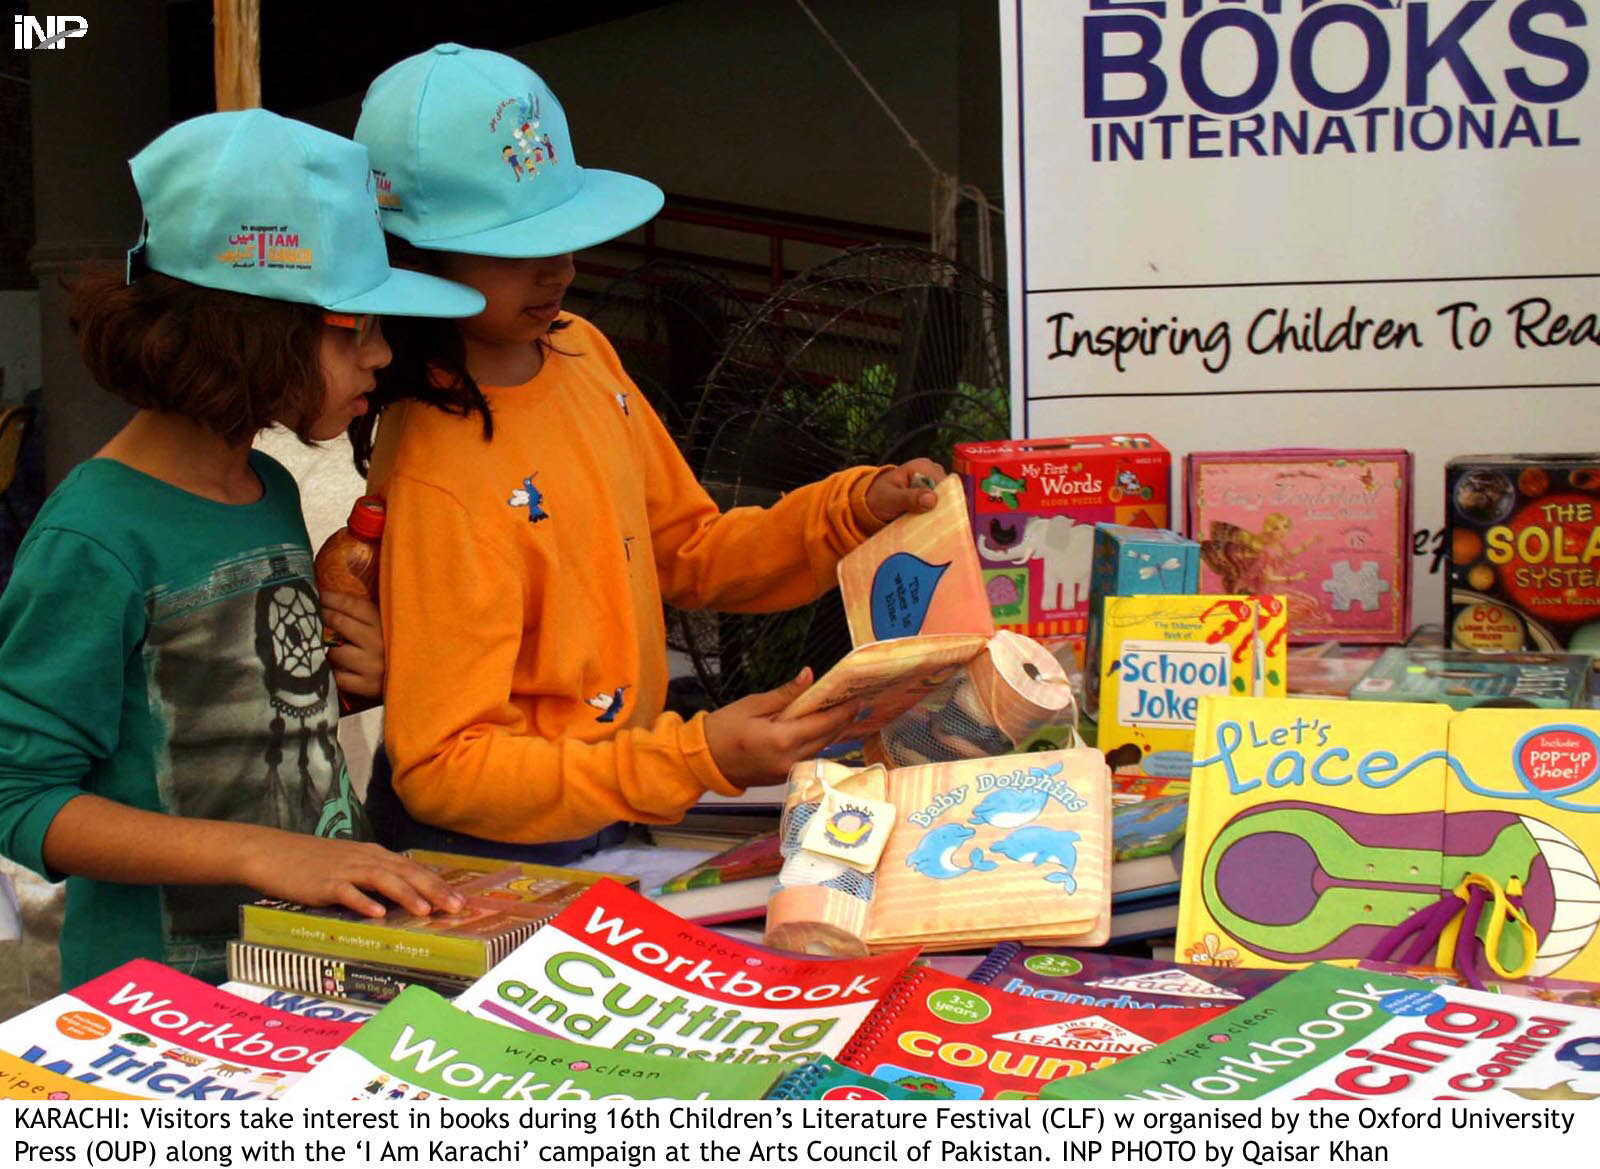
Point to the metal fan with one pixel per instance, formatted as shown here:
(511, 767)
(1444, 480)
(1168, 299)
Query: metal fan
(879, 355)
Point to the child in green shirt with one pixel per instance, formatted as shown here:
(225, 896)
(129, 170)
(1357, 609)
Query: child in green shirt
(168, 709)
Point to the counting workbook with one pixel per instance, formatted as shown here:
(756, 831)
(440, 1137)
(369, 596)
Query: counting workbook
(1315, 827)
(977, 851)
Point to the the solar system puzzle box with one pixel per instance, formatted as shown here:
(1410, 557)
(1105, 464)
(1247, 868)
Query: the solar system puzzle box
(1524, 550)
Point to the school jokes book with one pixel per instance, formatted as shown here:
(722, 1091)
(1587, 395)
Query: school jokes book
(145, 1031)
(419, 1047)
(944, 1038)
(977, 851)
(1326, 1033)
(617, 971)
(1315, 827)
(1163, 654)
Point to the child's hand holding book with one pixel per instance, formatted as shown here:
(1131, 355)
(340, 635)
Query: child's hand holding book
(906, 488)
(753, 744)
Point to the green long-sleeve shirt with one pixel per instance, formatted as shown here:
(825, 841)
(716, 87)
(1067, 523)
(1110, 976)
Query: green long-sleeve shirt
(164, 651)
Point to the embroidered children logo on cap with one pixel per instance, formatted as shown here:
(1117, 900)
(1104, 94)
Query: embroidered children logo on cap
(265, 245)
(531, 147)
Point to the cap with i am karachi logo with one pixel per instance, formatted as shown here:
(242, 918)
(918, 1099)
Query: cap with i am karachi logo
(249, 201)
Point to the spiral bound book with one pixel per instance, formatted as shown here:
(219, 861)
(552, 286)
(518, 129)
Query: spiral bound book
(945, 1038)
(823, 1079)
(1094, 979)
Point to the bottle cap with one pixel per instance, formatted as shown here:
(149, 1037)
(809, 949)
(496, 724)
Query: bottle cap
(366, 517)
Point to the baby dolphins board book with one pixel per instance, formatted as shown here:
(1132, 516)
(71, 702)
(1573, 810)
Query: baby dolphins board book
(145, 1031)
(1315, 827)
(1326, 1033)
(419, 1047)
(615, 970)
(977, 851)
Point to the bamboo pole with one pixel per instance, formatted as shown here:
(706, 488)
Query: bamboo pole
(237, 53)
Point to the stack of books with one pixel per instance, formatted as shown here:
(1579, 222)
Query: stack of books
(337, 953)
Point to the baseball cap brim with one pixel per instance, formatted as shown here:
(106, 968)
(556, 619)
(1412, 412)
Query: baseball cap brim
(606, 205)
(414, 294)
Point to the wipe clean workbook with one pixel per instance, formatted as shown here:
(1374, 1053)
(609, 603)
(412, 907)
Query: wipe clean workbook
(145, 1031)
(617, 971)
(419, 1047)
(1327, 1033)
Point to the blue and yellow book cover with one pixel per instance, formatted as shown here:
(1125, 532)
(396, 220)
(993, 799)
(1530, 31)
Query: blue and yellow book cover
(1163, 654)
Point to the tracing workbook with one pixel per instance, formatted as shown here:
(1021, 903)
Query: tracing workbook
(1316, 828)
(1324, 1033)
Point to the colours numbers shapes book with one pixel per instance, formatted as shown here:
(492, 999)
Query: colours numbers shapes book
(1326, 1033)
(419, 1047)
(981, 850)
(1090, 978)
(146, 1031)
(617, 971)
(1163, 654)
(1316, 827)
(917, 576)
(944, 1038)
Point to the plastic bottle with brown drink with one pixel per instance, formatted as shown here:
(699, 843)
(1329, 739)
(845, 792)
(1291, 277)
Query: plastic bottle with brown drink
(347, 562)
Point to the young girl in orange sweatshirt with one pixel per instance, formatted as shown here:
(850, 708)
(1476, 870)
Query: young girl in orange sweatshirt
(539, 512)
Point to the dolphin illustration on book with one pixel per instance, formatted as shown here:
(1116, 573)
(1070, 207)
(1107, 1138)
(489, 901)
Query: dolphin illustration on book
(1036, 845)
(1009, 808)
(936, 855)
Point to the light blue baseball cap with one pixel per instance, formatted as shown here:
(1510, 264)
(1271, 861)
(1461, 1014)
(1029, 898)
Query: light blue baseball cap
(248, 201)
(472, 154)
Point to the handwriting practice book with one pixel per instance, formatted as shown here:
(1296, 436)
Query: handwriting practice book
(1315, 827)
(617, 971)
(1094, 979)
(146, 1031)
(943, 1038)
(1326, 1033)
(419, 1047)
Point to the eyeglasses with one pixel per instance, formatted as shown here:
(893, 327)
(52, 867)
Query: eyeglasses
(365, 325)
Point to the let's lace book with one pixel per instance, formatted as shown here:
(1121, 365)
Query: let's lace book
(1316, 827)
(1327, 1033)
(145, 1031)
(617, 971)
(419, 1047)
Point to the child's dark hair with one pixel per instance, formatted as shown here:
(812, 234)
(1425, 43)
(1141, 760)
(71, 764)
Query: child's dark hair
(429, 365)
(234, 363)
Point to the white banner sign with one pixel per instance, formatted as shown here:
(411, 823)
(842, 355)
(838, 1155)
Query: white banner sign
(1361, 223)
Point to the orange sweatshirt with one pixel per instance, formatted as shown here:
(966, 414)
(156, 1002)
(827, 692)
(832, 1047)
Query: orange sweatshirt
(521, 591)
